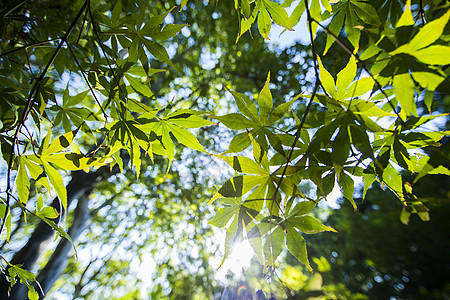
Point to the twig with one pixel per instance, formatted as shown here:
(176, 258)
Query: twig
(347, 49)
(30, 101)
(28, 46)
(302, 122)
(99, 41)
(86, 80)
(421, 12)
(308, 107)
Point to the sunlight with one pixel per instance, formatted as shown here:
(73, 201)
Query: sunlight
(238, 259)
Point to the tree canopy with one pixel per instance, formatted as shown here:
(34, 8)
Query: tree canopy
(110, 109)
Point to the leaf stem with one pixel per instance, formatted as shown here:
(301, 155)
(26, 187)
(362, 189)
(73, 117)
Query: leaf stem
(28, 46)
(347, 49)
(30, 102)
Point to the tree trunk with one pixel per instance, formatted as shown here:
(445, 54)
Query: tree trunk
(59, 259)
(79, 187)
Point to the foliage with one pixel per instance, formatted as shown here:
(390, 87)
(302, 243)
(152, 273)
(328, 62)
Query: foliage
(364, 122)
(376, 255)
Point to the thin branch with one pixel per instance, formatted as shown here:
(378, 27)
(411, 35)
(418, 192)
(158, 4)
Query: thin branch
(99, 41)
(30, 102)
(28, 46)
(302, 122)
(86, 80)
(308, 107)
(421, 12)
(347, 49)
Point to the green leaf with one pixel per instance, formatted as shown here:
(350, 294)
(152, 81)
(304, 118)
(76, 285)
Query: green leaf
(273, 245)
(335, 28)
(170, 30)
(223, 216)
(278, 14)
(404, 216)
(347, 187)
(294, 18)
(301, 208)
(360, 140)
(359, 87)
(74, 161)
(369, 178)
(345, 77)
(239, 143)
(309, 225)
(192, 121)
(115, 14)
(138, 86)
(393, 179)
(230, 239)
(47, 212)
(233, 187)
(57, 183)
(351, 21)
(326, 79)
(236, 121)
(246, 106)
(280, 110)
(404, 90)
(246, 165)
(186, 137)
(22, 182)
(265, 101)
(32, 294)
(297, 246)
(433, 55)
(430, 81)
(365, 12)
(264, 22)
(429, 33)
(407, 18)
(158, 52)
(60, 143)
(75, 100)
(247, 23)
(245, 7)
(341, 146)
(153, 22)
(183, 4)
(136, 156)
(7, 220)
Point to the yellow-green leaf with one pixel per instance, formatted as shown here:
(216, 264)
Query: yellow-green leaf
(407, 18)
(297, 246)
(138, 86)
(57, 183)
(429, 33)
(404, 90)
(60, 143)
(433, 55)
(22, 182)
(309, 225)
(265, 101)
(345, 78)
(278, 14)
(264, 22)
(326, 79)
(186, 138)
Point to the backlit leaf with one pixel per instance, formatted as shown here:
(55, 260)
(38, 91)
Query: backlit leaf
(57, 183)
(264, 22)
(22, 182)
(309, 225)
(297, 246)
(265, 100)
